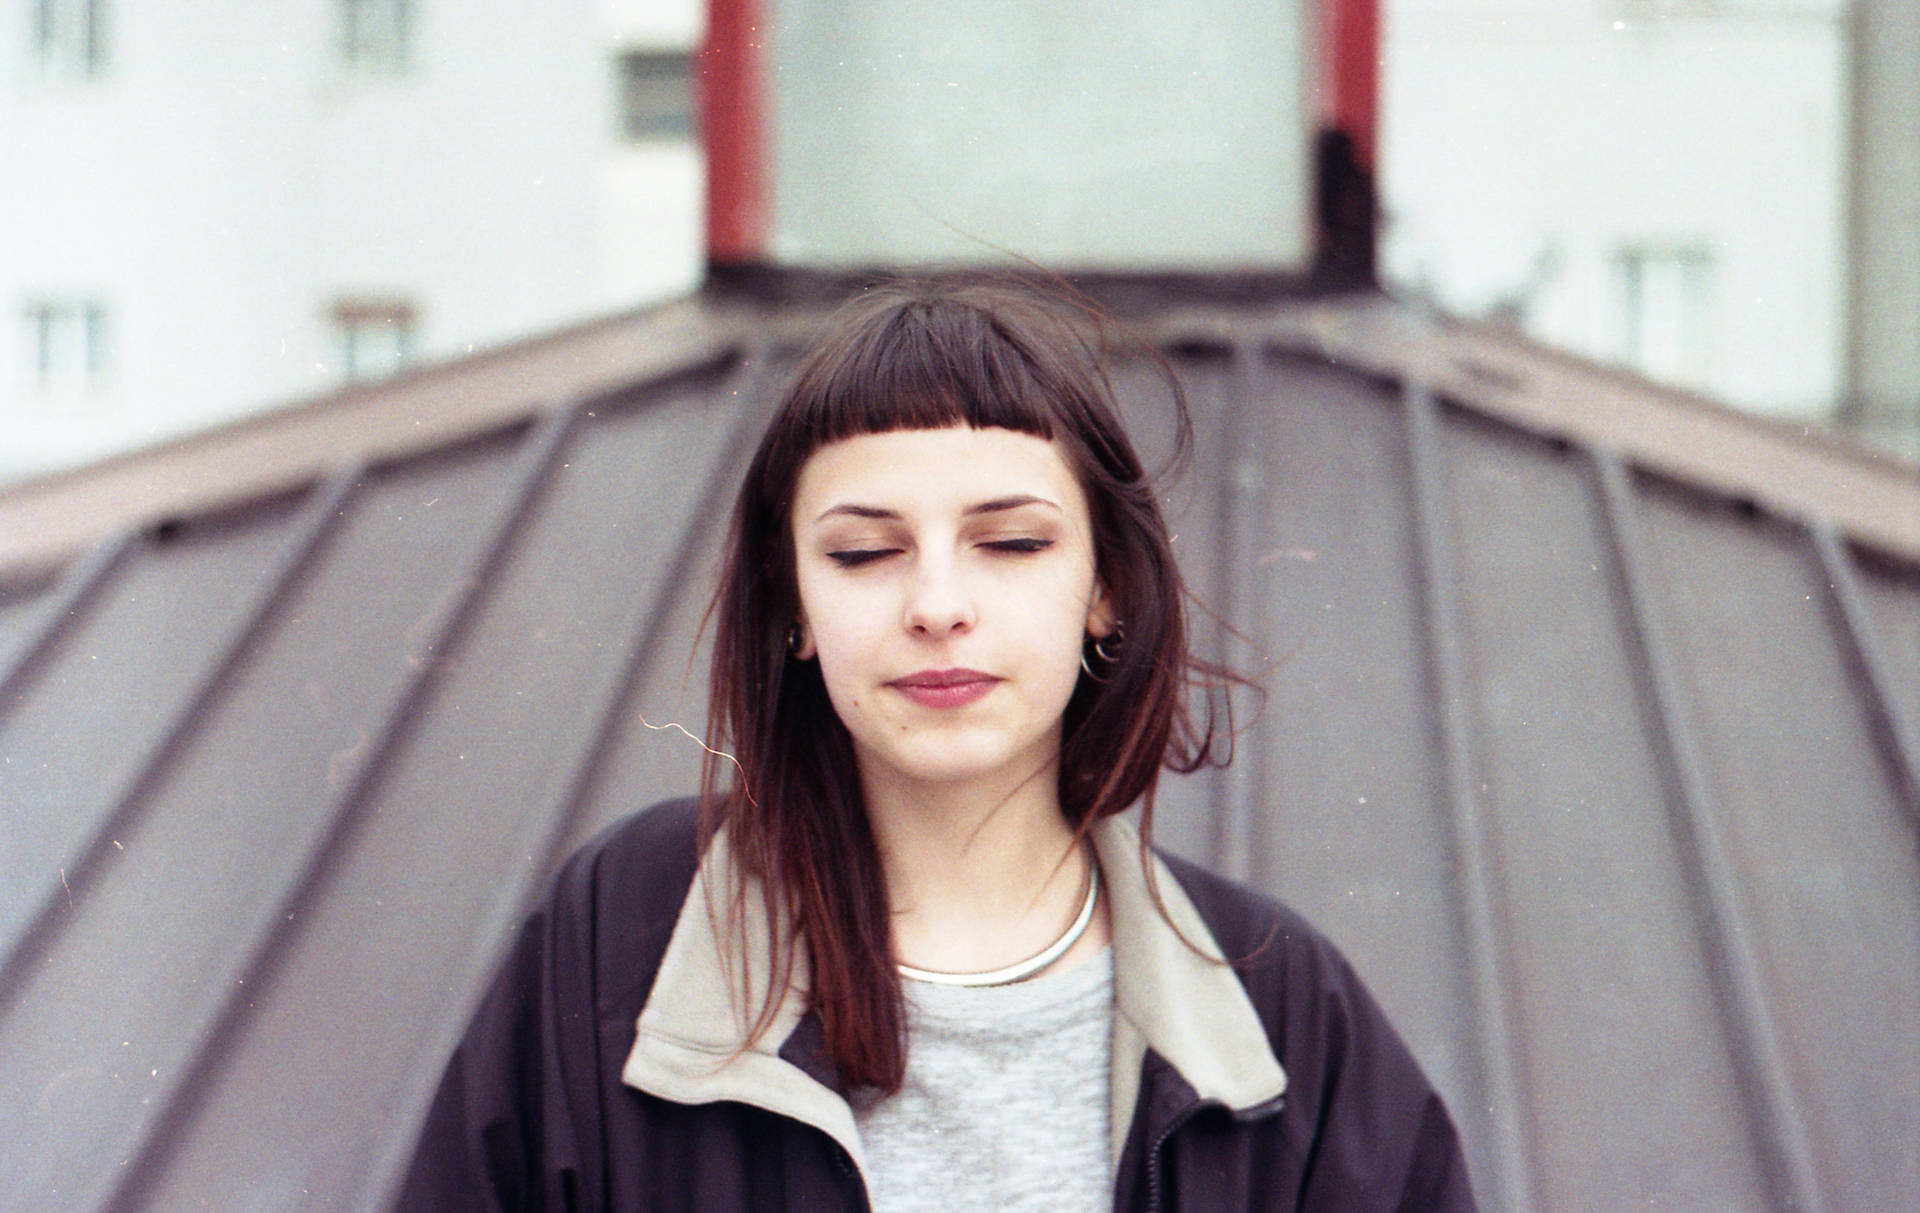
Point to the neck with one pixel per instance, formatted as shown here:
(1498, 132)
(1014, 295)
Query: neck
(979, 877)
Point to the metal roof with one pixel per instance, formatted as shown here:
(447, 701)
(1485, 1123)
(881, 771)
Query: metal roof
(1591, 738)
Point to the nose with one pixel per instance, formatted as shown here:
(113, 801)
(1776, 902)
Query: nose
(938, 602)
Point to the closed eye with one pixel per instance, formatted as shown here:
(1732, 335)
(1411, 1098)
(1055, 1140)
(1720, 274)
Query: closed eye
(1019, 545)
(853, 558)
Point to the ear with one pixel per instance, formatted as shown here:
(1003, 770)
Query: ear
(1101, 617)
(801, 641)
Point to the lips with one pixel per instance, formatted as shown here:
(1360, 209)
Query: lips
(945, 688)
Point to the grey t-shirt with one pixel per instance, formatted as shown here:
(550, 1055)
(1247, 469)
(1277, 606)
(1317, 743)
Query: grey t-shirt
(1005, 1104)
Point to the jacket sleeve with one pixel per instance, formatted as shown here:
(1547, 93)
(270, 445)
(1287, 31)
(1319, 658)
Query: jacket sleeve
(510, 1128)
(1437, 1177)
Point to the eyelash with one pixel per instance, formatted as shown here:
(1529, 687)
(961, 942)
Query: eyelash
(853, 558)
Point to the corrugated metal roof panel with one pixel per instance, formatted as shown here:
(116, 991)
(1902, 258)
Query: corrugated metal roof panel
(452, 830)
(1824, 884)
(1605, 780)
(1888, 625)
(1611, 1008)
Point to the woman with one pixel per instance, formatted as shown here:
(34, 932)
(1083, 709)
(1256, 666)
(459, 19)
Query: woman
(906, 955)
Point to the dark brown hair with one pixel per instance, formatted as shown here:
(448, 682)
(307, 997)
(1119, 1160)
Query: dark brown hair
(928, 355)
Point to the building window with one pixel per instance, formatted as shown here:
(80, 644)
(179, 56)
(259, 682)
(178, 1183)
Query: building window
(376, 36)
(69, 37)
(66, 345)
(655, 94)
(375, 338)
(1665, 311)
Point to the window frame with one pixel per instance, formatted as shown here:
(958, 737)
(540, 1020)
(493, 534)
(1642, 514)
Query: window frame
(67, 39)
(68, 345)
(377, 38)
(1673, 278)
(654, 95)
(358, 322)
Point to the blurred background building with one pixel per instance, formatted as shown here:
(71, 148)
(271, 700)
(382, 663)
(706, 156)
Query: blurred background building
(1724, 196)
(213, 207)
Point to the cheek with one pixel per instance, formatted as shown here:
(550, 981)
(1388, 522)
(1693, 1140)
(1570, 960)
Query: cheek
(1065, 610)
(839, 658)
(1056, 627)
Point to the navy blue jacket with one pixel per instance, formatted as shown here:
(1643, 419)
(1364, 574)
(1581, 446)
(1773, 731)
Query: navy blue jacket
(1273, 1083)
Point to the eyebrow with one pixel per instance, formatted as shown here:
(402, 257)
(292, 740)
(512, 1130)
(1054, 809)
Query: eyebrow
(995, 506)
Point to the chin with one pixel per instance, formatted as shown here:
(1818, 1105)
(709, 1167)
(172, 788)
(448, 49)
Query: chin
(952, 760)
(945, 769)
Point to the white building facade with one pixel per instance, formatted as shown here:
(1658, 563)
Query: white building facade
(212, 206)
(1658, 184)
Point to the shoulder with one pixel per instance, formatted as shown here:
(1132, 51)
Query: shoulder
(617, 897)
(1317, 1012)
(1356, 1097)
(1240, 918)
(531, 1096)
(643, 854)
(1273, 948)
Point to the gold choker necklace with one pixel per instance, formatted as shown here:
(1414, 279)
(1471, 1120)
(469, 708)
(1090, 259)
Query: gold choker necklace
(1022, 969)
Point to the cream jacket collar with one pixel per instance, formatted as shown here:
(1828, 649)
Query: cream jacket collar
(1189, 1009)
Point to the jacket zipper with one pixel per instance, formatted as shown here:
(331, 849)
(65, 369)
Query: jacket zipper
(1180, 1118)
(852, 1172)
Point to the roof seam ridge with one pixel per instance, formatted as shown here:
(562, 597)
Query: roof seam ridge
(1236, 494)
(1779, 1137)
(559, 807)
(1895, 732)
(122, 803)
(171, 1109)
(77, 588)
(1465, 814)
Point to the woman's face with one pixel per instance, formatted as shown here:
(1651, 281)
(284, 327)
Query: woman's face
(946, 583)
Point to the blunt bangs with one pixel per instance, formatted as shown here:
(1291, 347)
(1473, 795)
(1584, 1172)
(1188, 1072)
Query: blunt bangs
(904, 362)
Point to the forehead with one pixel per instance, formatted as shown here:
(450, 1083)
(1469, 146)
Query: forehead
(927, 471)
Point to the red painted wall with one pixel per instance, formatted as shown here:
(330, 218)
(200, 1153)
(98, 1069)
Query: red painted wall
(1350, 71)
(732, 128)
